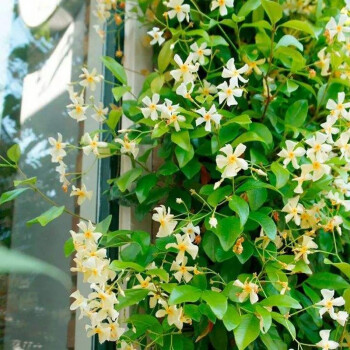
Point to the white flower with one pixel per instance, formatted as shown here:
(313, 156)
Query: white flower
(152, 108)
(325, 343)
(101, 329)
(329, 129)
(213, 221)
(166, 220)
(338, 29)
(107, 301)
(157, 36)
(167, 108)
(231, 163)
(180, 10)
(89, 235)
(144, 283)
(230, 71)
(81, 193)
(57, 151)
(77, 108)
(222, 4)
(324, 62)
(183, 244)
(174, 119)
(128, 146)
(334, 223)
(191, 230)
(125, 346)
(182, 271)
(319, 148)
(102, 12)
(249, 289)
(185, 90)
(228, 93)
(80, 302)
(100, 112)
(172, 312)
(90, 79)
(317, 168)
(293, 209)
(208, 117)
(341, 317)
(338, 107)
(343, 144)
(328, 302)
(343, 186)
(303, 250)
(186, 69)
(290, 154)
(92, 144)
(207, 89)
(300, 180)
(199, 52)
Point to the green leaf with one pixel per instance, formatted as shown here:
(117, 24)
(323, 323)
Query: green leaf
(342, 266)
(182, 139)
(284, 322)
(119, 91)
(182, 294)
(46, 217)
(118, 265)
(281, 301)
(273, 9)
(282, 174)
(326, 280)
(231, 318)
(144, 185)
(10, 195)
(147, 324)
(29, 181)
(14, 153)
(183, 156)
(103, 225)
(265, 222)
(217, 40)
(132, 297)
(157, 83)
(162, 274)
(248, 7)
(128, 178)
(300, 25)
(12, 261)
(168, 168)
(165, 56)
(192, 311)
(68, 247)
(265, 318)
(113, 118)
(288, 40)
(116, 68)
(297, 113)
(247, 331)
(248, 136)
(228, 230)
(241, 207)
(218, 195)
(217, 302)
(192, 168)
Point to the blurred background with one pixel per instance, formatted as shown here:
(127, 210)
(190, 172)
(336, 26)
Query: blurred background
(43, 47)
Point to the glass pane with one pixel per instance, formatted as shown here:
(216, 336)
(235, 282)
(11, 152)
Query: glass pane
(35, 67)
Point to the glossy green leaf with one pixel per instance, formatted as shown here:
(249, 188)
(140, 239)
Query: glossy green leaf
(299, 25)
(14, 153)
(118, 265)
(217, 302)
(119, 91)
(241, 207)
(182, 139)
(128, 178)
(228, 230)
(247, 331)
(132, 297)
(116, 68)
(68, 247)
(165, 56)
(182, 294)
(281, 301)
(326, 280)
(10, 195)
(183, 157)
(144, 185)
(231, 318)
(296, 114)
(48, 216)
(282, 174)
(342, 266)
(273, 9)
(265, 222)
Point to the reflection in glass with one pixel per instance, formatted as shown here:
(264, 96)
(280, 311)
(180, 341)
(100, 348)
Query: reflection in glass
(35, 67)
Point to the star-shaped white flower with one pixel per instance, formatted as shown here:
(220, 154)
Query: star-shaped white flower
(228, 93)
(290, 154)
(57, 151)
(183, 271)
(318, 147)
(166, 220)
(92, 144)
(222, 5)
(325, 343)
(316, 167)
(100, 112)
(183, 244)
(82, 194)
(324, 61)
(230, 71)
(338, 29)
(305, 248)
(338, 107)
(199, 52)
(128, 147)
(186, 69)
(328, 302)
(208, 117)
(157, 36)
(293, 209)
(172, 313)
(191, 230)
(249, 289)
(90, 79)
(152, 107)
(178, 9)
(231, 163)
